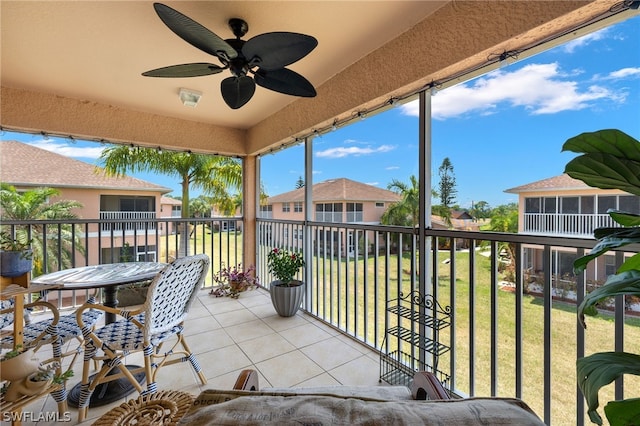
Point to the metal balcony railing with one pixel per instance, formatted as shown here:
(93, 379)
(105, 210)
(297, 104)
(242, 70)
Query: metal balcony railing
(505, 340)
(128, 221)
(579, 225)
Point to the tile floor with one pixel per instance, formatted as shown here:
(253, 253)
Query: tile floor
(229, 335)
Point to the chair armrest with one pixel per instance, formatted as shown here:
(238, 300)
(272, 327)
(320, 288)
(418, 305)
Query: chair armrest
(247, 380)
(426, 385)
(128, 314)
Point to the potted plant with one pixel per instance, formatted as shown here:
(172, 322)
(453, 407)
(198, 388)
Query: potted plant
(610, 160)
(15, 254)
(286, 292)
(36, 382)
(17, 364)
(234, 280)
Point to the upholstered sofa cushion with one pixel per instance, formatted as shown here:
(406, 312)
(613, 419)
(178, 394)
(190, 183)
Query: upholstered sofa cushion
(271, 408)
(387, 393)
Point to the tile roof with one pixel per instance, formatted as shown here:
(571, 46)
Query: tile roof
(170, 201)
(340, 189)
(23, 165)
(557, 183)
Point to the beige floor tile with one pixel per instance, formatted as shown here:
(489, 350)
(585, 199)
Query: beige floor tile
(221, 361)
(279, 323)
(324, 379)
(360, 371)
(200, 325)
(266, 347)
(305, 335)
(330, 353)
(248, 330)
(263, 311)
(289, 369)
(209, 341)
(228, 319)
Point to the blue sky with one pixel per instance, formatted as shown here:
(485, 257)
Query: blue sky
(500, 130)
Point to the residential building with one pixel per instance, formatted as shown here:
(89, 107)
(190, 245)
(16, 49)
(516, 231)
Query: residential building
(123, 204)
(565, 207)
(335, 200)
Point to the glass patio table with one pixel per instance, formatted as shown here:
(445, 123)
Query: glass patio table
(108, 277)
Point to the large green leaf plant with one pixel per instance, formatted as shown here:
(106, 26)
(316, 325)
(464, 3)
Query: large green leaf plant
(610, 159)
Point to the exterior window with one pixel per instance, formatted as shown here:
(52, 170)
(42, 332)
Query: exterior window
(629, 204)
(286, 208)
(354, 212)
(609, 265)
(176, 211)
(532, 205)
(587, 205)
(266, 211)
(297, 207)
(379, 204)
(329, 212)
(550, 205)
(605, 203)
(569, 205)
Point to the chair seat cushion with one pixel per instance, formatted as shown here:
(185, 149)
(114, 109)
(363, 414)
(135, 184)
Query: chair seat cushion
(67, 327)
(262, 408)
(125, 335)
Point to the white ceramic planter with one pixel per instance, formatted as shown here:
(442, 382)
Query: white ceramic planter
(19, 367)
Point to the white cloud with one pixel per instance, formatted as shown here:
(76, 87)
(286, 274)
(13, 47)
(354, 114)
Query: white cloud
(316, 172)
(539, 88)
(69, 150)
(373, 183)
(571, 46)
(342, 152)
(624, 73)
(392, 168)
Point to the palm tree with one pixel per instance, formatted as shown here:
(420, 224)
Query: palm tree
(213, 174)
(504, 218)
(34, 205)
(410, 202)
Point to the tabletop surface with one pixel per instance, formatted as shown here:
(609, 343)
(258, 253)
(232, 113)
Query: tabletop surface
(100, 275)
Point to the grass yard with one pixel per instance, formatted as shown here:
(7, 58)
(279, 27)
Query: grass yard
(346, 286)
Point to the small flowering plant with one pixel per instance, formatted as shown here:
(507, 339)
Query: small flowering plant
(284, 264)
(235, 279)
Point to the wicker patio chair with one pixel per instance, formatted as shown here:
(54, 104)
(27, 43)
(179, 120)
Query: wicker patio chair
(57, 331)
(144, 330)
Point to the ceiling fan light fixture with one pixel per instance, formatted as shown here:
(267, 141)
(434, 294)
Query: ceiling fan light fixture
(190, 97)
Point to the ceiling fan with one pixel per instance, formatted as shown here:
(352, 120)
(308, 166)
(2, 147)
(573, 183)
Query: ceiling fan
(265, 56)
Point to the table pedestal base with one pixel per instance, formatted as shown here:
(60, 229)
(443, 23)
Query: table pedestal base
(106, 393)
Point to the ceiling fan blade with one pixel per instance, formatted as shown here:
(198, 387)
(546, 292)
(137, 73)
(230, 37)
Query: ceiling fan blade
(237, 91)
(194, 33)
(278, 49)
(285, 81)
(184, 70)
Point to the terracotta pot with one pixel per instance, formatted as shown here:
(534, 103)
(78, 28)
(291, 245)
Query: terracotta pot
(19, 367)
(237, 286)
(26, 387)
(286, 299)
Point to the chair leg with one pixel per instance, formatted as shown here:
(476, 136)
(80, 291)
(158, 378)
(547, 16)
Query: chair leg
(193, 360)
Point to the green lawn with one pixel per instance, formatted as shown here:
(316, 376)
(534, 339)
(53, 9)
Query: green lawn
(356, 292)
